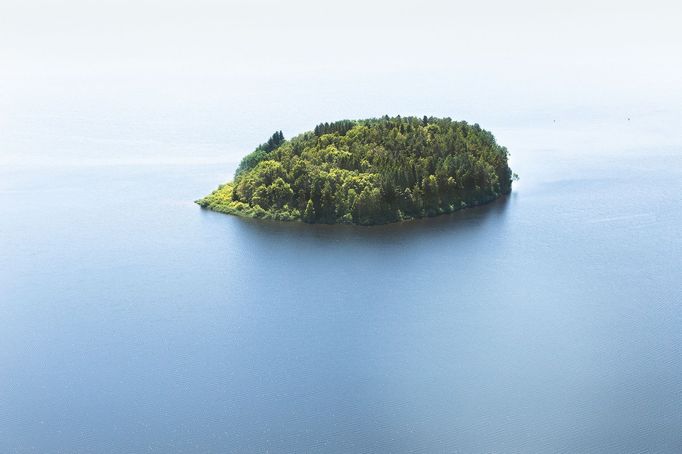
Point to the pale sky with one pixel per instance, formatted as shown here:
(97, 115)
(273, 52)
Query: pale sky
(625, 44)
(231, 72)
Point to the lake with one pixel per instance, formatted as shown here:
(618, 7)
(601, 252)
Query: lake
(547, 321)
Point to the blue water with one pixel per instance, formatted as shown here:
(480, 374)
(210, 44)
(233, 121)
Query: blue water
(549, 321)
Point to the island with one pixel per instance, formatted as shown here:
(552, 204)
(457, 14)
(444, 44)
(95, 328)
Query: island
(366, 172)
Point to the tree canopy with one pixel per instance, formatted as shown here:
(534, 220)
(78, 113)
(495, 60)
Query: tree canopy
(372, 171)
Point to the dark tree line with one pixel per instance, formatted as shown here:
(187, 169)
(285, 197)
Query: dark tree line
(339, 127)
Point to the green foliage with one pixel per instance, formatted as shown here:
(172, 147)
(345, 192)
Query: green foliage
(309, 213)
(260, 153)
(339, 127)
(371, 171)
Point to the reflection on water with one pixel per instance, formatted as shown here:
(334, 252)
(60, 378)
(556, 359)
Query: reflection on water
(471, 218)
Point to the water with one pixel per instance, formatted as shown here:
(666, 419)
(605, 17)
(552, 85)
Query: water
(132, 321)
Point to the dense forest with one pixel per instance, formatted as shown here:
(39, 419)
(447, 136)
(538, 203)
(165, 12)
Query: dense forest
(366, 172)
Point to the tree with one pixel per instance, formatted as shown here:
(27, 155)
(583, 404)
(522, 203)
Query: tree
(280, 193)
(309, 213)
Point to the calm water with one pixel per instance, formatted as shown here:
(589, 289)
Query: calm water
(549, 321)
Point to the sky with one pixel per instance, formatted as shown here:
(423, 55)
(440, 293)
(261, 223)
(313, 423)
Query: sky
(626, 44)
(298, 62)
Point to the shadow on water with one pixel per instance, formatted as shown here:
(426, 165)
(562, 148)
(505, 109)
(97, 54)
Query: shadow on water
(462, 222)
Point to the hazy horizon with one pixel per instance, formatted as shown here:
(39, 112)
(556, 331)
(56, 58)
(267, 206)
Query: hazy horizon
(222, 76)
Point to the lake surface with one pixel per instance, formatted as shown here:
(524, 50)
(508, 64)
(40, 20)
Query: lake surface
(549, 321)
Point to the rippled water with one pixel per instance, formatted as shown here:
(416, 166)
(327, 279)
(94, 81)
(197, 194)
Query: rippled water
(548, 321)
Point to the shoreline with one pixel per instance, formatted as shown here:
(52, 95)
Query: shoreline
(219, 201)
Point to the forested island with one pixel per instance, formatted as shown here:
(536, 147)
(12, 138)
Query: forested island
(366, 172)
